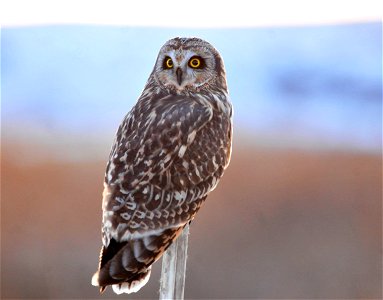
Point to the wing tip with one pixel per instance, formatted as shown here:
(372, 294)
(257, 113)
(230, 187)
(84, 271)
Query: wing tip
(95, 282)
(95, 279)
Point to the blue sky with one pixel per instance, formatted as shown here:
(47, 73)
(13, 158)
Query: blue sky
(317, 84)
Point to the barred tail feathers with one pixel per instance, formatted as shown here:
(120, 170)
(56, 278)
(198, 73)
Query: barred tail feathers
(127, 265)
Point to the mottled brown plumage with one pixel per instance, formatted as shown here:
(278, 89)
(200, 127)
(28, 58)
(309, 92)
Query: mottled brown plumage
(169, 153)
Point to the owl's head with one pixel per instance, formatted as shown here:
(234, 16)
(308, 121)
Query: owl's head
(187, 64)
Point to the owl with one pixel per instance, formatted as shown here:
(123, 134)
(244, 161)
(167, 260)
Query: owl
(169, 153)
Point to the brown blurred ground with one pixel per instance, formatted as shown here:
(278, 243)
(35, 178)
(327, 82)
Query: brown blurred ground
(281, 224)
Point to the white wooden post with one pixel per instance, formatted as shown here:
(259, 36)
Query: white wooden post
(174, 268)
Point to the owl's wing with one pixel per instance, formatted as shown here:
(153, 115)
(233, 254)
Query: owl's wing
(142, 210)
(151, 136)
(137, 184)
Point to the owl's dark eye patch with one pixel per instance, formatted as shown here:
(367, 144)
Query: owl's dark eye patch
(197, 62)
(168, 63)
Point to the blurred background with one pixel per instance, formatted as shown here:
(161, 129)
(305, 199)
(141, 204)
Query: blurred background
(298, 213)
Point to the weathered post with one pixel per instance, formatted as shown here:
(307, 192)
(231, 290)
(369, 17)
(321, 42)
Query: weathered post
(174, 268)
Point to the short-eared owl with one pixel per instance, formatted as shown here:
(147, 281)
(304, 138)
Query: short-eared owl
(169, 153)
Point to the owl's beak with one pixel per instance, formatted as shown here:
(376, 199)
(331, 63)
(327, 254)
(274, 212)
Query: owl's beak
(179, 75)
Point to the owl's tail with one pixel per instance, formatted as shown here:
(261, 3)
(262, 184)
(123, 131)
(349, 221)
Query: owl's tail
(133, 285)
(127, 265)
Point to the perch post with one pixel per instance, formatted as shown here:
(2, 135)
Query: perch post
(174, 268)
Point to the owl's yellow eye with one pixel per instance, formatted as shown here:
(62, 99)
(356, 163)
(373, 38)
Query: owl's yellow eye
(168, 63)
(195, 62)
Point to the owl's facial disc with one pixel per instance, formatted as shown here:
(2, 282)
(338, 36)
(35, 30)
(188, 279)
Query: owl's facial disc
(182, 69)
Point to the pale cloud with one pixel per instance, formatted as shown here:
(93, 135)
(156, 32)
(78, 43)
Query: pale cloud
(196, 14)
